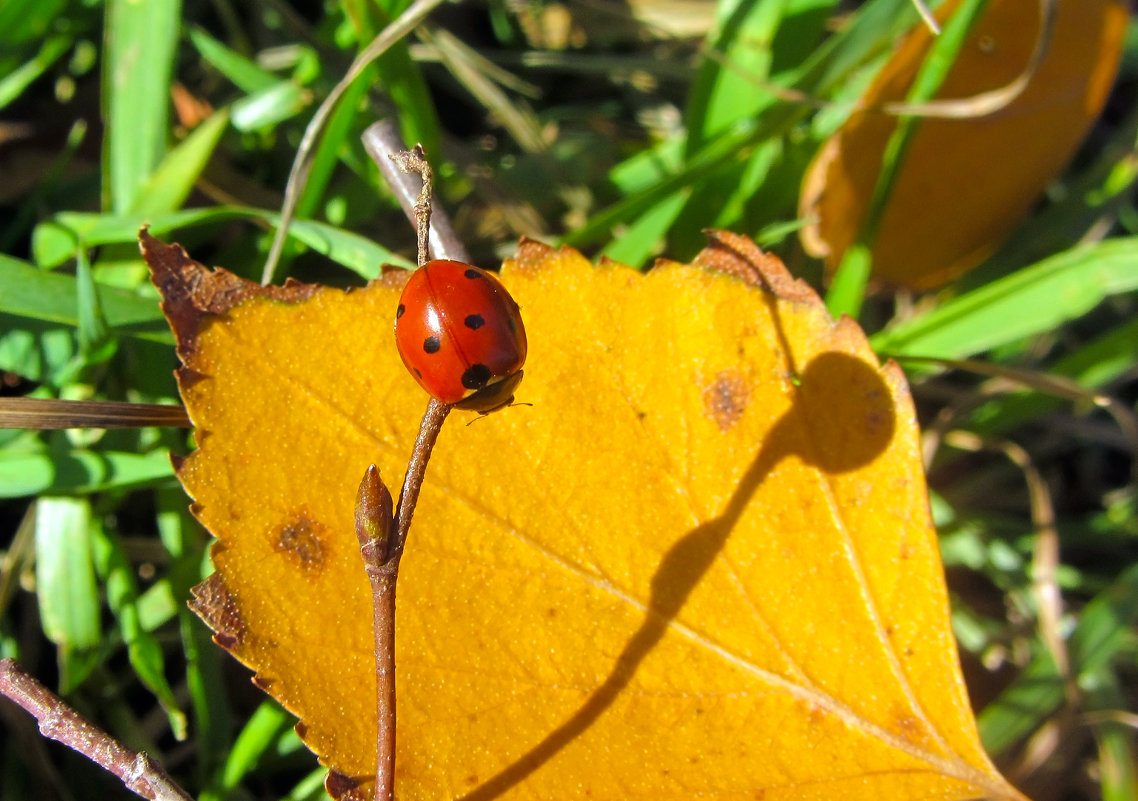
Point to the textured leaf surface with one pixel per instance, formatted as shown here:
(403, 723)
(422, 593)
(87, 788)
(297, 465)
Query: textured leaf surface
(701, 562)
(965, 183)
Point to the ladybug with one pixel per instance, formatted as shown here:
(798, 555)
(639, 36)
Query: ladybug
(461, 335)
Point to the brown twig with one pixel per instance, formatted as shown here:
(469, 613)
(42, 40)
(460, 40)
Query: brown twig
(49, 413)
(382, 537)
(59, 722)
(1045, 557)
(415, 160)
(429, 429)
(382, 534)
(383, 143)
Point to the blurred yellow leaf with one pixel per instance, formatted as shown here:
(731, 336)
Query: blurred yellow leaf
(701, 563)
(965, 183)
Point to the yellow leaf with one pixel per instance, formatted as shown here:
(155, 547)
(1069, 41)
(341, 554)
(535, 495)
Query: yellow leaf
(701, 563)
(965, 183)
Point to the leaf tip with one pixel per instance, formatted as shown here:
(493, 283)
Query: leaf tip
(737, 255)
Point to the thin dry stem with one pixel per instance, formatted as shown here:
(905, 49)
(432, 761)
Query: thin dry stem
(1045, 559)
(985, 103)
(382, 536)
(383, 143)
(974, 106)
(415, 161)
(57, 721)
(429, 429)
(927, 16)
(50, 413)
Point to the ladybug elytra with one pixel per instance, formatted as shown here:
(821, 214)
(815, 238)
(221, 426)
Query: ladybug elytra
(461, 335)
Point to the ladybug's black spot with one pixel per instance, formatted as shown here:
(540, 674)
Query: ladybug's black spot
(431, 345)
(399, 311)
(476, 376)
(512, 325)
(472, 272)
(474, 321)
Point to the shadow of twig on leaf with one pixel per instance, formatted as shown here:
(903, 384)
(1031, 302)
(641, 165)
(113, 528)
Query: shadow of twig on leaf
(837, 393)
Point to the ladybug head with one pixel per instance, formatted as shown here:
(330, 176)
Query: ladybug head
(492, 397)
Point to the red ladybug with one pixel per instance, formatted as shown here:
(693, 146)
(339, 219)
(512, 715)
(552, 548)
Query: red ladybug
(461, 335)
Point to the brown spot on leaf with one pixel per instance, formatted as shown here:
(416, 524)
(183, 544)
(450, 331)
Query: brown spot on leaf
(261, 683)
(214, 604)
(725, 400)
(304, 541)
(301, 729)
(906, 724)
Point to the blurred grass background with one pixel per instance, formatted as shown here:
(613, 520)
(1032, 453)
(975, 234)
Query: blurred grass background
(624, 129)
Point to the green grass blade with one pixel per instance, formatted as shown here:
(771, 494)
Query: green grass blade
(35, 350)
(79, 471)
(257, 737)
(872, 30)
(1088, 197)
(52, 240)
(1036, 693)
(14, 83)
(23, 21)
(186, 543)
(1099, 362)
(402, 79)
(270, 106)
(143, 650)
(246, 75)
(1031, 301)
(1106, 625)
(1117, 769)
(174, 179)
(641, 239)
(157, 606)
(51, 297)
(138, 62)
(737, 56)
(340, 134)
(65, 583)
(847, 287)
(96, 339)
(932, 74)
(310, 788)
